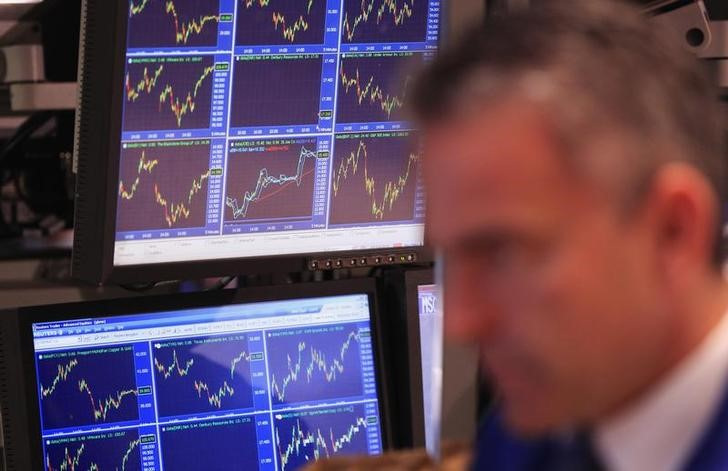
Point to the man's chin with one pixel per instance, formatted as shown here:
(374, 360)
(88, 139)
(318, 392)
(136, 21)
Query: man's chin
(527, 421)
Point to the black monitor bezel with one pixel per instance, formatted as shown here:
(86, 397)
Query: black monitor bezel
(98, 138)
(413, 280)
(118, 307)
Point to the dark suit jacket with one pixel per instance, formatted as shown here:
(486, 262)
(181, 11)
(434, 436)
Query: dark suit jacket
(498, 450)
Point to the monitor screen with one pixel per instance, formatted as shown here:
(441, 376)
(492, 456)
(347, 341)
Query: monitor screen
(268, 386)
(430, 321)
(251, 128)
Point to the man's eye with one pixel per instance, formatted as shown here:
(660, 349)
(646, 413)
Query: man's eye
(501, 254)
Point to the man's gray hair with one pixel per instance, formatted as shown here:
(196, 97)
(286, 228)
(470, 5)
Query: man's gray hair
(621, 92)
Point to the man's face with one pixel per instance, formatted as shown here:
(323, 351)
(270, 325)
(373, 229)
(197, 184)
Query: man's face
(560, 291)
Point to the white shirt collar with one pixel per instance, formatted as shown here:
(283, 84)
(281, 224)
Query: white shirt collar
(659, 431)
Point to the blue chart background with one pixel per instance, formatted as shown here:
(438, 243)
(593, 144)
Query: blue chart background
(176, 395)
(178, 168)
(146, 113)
(346, 384)
(221, 447)
(288, 200)
(387, 159)
(337, 423)
(389, 73)
(276, 92)
(106, 375)
(153, 27)
(106, 453)
(255, 24)
(413, 29)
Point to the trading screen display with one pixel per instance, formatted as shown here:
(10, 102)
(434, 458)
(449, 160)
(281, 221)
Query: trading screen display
(268, 127)
(267, 386)
(430, 334)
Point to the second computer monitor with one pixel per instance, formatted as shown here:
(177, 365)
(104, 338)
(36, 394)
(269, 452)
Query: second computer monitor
(196, 384)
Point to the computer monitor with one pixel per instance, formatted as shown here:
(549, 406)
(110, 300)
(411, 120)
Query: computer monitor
(212, 134)
(443, 375)
(254, 380)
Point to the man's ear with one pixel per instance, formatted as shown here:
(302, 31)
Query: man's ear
(682, 212)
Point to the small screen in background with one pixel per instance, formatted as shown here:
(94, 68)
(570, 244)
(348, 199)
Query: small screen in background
(431, 339)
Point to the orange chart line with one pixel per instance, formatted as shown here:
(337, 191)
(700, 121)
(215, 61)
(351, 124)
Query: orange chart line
(289, 31)
(399, 15)
(70, 461)
(145, 85)
(144, 166)
(135, 9)
(184, 30)
(174, 212)
(372, 92)
(188, 104)
(393, 189)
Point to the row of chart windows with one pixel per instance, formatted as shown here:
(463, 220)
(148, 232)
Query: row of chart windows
(204, 96)
(193, 187)
(161, 24)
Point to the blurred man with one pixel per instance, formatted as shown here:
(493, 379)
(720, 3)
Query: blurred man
(575, 174)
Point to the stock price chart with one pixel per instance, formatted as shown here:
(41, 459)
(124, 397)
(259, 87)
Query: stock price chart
(270, 179)
(302, 102)
(163, 185)
(211, 445)
(203, 375)
(87, 387)
(317, 363)
(98, 451)
(168, 93)
(280, 22)
(276, 90)
(373, 87)
(216, 385)
(376, 21)
(307, 436)
(172, 23)
(374, 178)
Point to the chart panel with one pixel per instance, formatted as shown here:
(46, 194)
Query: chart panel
(203, 374)
(374, 178)
(87, 387)
(373, 87)
(98, 451)
(306, 436)
(172, 23)
(163, 185)
(380, 21)
(270, 179)
(262, 22)
(168, 93)
(211, 445)
(276, 90)
(319, 364)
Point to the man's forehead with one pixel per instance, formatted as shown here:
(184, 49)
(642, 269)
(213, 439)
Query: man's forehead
(494, 167)
(495, 136)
